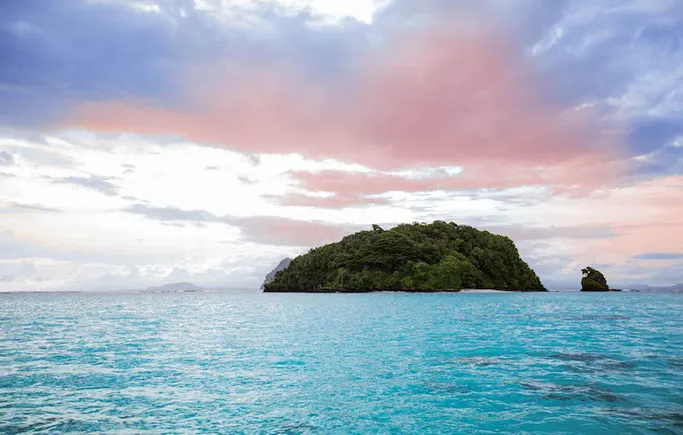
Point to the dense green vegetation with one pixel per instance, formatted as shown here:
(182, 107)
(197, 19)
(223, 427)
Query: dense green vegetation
(413, 257)
(593, 281)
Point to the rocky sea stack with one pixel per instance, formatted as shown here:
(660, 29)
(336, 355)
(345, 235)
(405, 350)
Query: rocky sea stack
(593, 281)
(410, 257)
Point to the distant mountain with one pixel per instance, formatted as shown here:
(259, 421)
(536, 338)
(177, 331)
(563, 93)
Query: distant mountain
(282, 266)
(648, 288)
(176, 287)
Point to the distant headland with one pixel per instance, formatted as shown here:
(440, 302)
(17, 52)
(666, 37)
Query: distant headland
(282, 265)
(436, 257)
(175, 288)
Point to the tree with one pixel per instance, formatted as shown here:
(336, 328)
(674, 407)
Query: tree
(445, 275)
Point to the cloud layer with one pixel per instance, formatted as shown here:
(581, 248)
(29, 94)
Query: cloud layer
(171, 139)
(434, 97)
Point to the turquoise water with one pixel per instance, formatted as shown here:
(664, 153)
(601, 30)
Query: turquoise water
(570, 363)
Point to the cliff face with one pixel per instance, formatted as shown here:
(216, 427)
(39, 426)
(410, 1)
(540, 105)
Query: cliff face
(410, 257)
(281, 266)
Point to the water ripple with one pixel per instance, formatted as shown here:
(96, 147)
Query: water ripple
(308, 364)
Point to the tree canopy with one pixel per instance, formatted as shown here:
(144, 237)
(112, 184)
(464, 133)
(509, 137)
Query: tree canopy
(410, 257)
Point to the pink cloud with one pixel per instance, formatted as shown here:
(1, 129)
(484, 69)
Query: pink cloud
(335, 201)
(353, 188)
(642, 218)
(273, 230)
(646, 218)
(436, 97)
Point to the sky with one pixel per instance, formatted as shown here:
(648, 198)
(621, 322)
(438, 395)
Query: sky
(144, 142)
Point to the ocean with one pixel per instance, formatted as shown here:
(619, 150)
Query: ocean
(253, 363)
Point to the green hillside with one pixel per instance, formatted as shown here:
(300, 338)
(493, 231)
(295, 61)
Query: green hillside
(410, 257)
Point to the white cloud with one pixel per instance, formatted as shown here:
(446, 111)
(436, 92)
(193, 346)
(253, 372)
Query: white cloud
(181, 210)
(74, 209)
(548, 41)
(362, 10)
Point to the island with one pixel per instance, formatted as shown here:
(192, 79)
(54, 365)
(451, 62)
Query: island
(418, 257)
(594, 281)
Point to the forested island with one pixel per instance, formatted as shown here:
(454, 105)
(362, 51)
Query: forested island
(410, 257)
